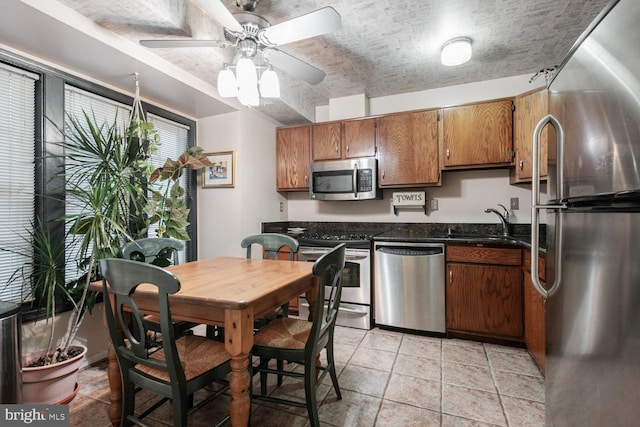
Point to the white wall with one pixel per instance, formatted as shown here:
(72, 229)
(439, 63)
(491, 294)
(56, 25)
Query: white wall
(227, 215)
(463, 196)
(453, 95)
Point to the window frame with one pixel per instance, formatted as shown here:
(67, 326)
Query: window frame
(49, 110)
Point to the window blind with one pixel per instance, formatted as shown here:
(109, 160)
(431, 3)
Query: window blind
(17, 173)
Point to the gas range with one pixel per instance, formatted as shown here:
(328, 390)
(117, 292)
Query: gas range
(360, 240)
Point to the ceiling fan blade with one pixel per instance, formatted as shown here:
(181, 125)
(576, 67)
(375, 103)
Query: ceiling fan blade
(321, 21)
(183, 43)
(293, 66)
(216, 9)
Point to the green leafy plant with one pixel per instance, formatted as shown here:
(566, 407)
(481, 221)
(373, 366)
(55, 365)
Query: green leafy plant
(167, 206)
(143, 130)
(42, 271)
(103, 174)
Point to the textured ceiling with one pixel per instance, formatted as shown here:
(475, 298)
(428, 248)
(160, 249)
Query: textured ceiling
(384, 47)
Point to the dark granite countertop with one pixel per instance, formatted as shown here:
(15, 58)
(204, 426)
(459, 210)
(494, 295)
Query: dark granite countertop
(517, 240)
(465, 233)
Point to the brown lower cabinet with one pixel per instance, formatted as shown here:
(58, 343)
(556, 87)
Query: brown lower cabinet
(484, 292)
(534, 323)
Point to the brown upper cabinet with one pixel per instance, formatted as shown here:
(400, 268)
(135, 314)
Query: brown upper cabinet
(530, 108)
(343, 140)
(477, 135)
(408, 149)
(292, 158)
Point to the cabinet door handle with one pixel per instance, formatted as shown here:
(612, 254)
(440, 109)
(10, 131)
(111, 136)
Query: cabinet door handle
(521, 164)
(450, 276)
(383, 174)
(347, 148)
(448, 153)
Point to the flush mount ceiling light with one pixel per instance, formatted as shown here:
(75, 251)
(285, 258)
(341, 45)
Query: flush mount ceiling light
(456, 51)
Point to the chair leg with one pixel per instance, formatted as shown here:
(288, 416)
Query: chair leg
(181, 410)
(310, 394)
(280, 366)
(332, 369)
(263, 376)
(128, 402)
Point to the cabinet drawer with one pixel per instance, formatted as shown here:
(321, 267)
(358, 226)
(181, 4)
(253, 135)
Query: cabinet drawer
(526, 262)
(484, 255)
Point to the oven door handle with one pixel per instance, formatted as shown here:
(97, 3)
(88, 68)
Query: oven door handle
(317, 253)
(313, 252)
(344, 309)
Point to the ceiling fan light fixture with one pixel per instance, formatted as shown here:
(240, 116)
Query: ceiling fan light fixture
(456, 51)
(227, 84)
(269, 84)
(246, 74)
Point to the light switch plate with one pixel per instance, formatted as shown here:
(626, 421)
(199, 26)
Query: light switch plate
(515, 203)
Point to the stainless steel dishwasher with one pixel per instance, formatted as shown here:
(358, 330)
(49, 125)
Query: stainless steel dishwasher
(410, 285)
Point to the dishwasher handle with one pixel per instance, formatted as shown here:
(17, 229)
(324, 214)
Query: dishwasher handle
(410, 251)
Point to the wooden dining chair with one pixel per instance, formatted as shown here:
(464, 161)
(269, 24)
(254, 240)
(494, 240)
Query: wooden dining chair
(153, 250)
(178, 369)
(271, 244)
(301, 341)
(161, 252)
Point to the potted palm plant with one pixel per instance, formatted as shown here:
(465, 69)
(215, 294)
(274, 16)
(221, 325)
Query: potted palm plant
(102, 176)
(105, 177)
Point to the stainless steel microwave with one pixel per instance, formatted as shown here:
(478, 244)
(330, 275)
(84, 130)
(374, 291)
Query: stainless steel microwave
(353, 179)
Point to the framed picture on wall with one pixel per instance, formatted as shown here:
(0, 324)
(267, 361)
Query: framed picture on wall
(223, 172)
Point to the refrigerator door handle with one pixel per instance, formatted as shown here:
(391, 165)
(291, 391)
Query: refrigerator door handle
(535, 161)
(536, 206)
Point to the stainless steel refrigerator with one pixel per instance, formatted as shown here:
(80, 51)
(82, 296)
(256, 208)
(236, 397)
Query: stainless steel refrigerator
(592, 307)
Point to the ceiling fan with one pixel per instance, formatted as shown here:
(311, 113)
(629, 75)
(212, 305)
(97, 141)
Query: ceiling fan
(254, 36)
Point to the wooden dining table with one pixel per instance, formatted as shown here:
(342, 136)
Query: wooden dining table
(229, 292)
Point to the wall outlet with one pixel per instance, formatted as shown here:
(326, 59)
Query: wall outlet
(515, 203)
(434, 204)
(281, 207)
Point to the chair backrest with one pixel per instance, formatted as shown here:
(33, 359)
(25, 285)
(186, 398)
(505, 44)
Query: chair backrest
(271, 243)
(149, 248)
(328, 268)
(128, 328)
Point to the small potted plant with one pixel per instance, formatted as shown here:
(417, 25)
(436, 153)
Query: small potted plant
(547, 72)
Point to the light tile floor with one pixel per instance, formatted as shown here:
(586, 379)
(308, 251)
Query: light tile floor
(387, 379)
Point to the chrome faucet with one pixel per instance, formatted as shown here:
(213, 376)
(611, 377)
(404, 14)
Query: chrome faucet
(504, 218)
